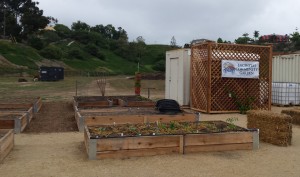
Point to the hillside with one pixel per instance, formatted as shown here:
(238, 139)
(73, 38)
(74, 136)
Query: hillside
(16, 57)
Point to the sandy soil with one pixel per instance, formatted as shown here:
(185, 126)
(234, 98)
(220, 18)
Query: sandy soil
(63, 154)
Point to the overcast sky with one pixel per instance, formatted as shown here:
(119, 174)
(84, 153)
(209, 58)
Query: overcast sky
(158, 20)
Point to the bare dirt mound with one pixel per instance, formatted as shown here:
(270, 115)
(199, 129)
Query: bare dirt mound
(53, 117)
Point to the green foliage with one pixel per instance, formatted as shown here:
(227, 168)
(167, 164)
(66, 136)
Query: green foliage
(154, 53)
(49, 36)
(243, 105)
(80, 26)
(19, 54)
(62, 31)
(242, 40)
(160, 65)
(90, 65)
(231, 124)
(36, 42)
(75, 54)
(295, 38)
(95, 51)
(256, 35)
(51, 52)
(28, 17)
(220, 40)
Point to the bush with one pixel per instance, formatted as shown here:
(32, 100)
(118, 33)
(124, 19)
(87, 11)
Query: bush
(160, 66)
(92, 49)
(63, 31)
(36, 42)
(101, 56)
(75, 53)
(50, 36)
(51, 52)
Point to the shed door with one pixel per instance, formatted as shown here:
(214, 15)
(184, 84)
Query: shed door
(174, 66)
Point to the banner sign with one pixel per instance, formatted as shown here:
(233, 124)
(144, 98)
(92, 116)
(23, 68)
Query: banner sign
(240, 69)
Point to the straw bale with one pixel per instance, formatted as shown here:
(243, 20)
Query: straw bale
(294, 113)
(274, 128)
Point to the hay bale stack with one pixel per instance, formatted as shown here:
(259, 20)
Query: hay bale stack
(273, 128)
(294, 113)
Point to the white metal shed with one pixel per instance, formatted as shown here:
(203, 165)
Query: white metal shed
(178, 75)
(286, 79)
(285, 68)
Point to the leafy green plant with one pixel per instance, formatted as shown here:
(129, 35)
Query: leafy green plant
(231, 124)
(243, 105)
(51, 52)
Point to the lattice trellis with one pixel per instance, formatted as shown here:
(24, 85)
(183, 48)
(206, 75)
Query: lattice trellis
(210, 92)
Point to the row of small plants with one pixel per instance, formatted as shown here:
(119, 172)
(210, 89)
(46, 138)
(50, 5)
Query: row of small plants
(158, 128)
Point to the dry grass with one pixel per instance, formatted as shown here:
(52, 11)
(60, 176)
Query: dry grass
(66, 89)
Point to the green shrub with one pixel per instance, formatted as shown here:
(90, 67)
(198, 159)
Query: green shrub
(51, 52)
(63, 31)
(160, 66)
(36, 42)
(75, 54)
(92, 49)
(50, 36)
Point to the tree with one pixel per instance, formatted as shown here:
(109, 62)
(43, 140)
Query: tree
(295, 38)
(80, 26)
(140, 39)
(109, 31)
(244, 39)
(141, 47)
(62, 31)
(28, 18)
(98, 29)
(245, 35)
(256, 35)
(220, 40)
(173, 42)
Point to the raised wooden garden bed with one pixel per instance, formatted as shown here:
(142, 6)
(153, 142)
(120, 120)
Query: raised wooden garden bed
(16, 121)
(35, 103)
(110, 101)
(6, 142)
(124, 141)
(93, 117)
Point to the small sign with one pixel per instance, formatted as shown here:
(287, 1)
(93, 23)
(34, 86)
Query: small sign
(240, 69)
(44, 72)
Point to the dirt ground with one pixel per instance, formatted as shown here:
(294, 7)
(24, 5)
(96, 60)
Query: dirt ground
(53, 117)
(62, 153)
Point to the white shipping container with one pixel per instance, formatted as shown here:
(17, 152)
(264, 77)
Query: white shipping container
(285, 68)
(286, 93)
(177, 84)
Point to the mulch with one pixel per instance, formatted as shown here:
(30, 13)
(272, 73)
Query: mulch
(53, 117)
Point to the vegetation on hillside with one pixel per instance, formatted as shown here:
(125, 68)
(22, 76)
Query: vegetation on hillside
(82, 47)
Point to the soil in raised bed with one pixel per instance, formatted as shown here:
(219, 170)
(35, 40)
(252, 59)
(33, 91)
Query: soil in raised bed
(17, 100)
(53, 117)
(121, 111)
(104, 98)
(172, 128)
(10, 116)
(12, 109)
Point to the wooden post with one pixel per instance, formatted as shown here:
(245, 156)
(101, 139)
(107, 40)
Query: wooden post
(270, 76)
(209, 50)
(181, 144)
(149, 88)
